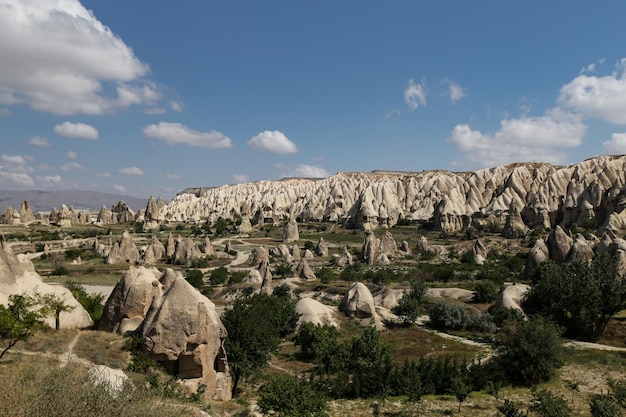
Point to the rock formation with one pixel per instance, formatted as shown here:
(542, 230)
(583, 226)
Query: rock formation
(321, 248)
(512, 295)
(151, 216)
(18, 276)
(358, 302)
(124, 251)
(260, 255)
(312, 311)
(544, 196)
(291, 231)
(179, 326)
(304, 271)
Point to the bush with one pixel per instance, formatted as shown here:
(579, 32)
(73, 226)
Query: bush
(408, 308)
(530, 351)
(237, 276)
(314, 340)
(93, 303)
(291, 396)
(325, 275)
(502, 316)
(485, 292)
(219, 276)
(283, 271)
(196, 278)
(450, 315)
(548, 404)
(604, 405)
(60, 270)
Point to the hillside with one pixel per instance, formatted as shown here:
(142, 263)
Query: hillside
(543, 194)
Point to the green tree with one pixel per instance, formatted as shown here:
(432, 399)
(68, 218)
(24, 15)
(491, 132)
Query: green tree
(291, 396)
(196, 278)
(529, 351)
(219, 276)
(460, 391)
(314, 339)
(548, 404)
(93, 303)
(55, 305)
(19, 320)
(256, 325)
(509, 409)
(408, 308)
(283, 271)
(582, 297)
(325, 275)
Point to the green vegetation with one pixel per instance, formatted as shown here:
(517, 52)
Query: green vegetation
(291, 396)
(408, 308)
(19, 320)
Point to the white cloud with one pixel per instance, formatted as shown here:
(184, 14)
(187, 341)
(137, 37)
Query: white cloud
(455, 92)
(597, 97)
(130, 171)
(308, 171)
(174, 177)
(103, 175)
(615, 146)
(16, 178)
(13, 159)
(48, 180)
(415, 95)
(72, 166)
(14, 171)
(76, 131)
(240, 178)
(63, 59)
(71, 155)
(176, 133)
(523, 139)
(120, 188)
(273, 141)
(177, 106)
(39, 141)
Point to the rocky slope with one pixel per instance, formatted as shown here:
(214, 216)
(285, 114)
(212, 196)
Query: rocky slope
(591, 192)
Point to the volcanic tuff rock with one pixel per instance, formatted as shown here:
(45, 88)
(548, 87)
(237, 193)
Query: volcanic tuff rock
(358, 302)
(545, 196)
(18, 276)
(291, 231)
(124, 251)
(179, 326)
(312, 311)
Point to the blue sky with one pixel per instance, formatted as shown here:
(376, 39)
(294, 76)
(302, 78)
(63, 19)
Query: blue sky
(149, 97)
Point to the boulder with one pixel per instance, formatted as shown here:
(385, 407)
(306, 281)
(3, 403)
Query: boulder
(370, 247)
(303, 270)
(18, 276)
(321, 248)
(514, 227)
(358, 302)
(312, 311)
(559, 244)
(535, 257)
(512, 295)
(580, 251)
(124, 251)
(260, 255)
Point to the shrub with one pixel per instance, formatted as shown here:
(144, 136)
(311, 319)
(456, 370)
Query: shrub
(283, 271)
(93, 303)
(325, 275)
(604, 405)
(291, 396)
(408, 307)
(548, 404)
(485, 292)
(219, 276)
(314, 340)
(530, 351)
(60, 270)
(236, 277)
(196, 278)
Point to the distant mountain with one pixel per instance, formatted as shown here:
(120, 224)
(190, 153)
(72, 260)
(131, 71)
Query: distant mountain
(80, 200)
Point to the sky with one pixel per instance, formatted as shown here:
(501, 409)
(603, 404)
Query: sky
(148, 97)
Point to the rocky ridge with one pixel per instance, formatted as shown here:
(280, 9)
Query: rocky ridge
(542, 195)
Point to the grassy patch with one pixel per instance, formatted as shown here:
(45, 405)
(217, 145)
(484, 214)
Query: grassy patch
(48, 340)
(102, 348)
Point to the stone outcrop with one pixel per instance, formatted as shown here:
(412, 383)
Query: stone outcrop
(321, 248)
(358, 302)
(514, 227)
(154, 252)
(544, 195)
(512, 295)
(179, 327)
(260, 255)
(124, 251)
(345, 259)
(580, 251)
(151, 215)
(186, 250)
(312, 311)
(303, 270)
(559, 244)
(18, 276)
(291, 231)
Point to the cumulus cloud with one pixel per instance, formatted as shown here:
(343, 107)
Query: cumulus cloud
(130, 171)
(615, 146)
(71, 155)
(57, 51)
(120, 188)
(73, 166)
(76, 131)
(176, 133)
(103, 175)
(273, 141)
(415, 95)
(597, 97)
(526, 138)
(240, 178)
(174, 177)
(48, 180)
(39, 141)
(14, 171)
(455, 91)
(308, 171)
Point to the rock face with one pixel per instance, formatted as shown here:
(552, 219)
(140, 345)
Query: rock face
(18, 276)
(358, 302)
(511, 295)
(151, 216)
(291, 231)
(312, 311)
(303, 270)
(124, 251)
(543, 194)
(179, 326)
